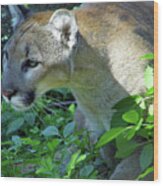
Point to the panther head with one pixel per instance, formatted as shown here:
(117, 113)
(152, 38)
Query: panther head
(38, 57)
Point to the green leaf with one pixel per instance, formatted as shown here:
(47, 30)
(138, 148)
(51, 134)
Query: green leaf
(72, 108)
(109, 136)
(139, 124)
(86, 171)
(117, 120)
(149, 56)
(29, 141)
(17, 140)
(150, 91)
(124, 147)
(81, 158)
(131, 116)
(145, 173)
(150, 110)
(123, 106)
(143, 132)
(47, 166)
(15, 125)
(50, 131)
(142, 105)
(41, 170)
(148, 77)
(128, 102)
(6, 116)
(69, 129)
(146, 156)
(150, 119)
(75, 159)
(30, 118)
(52, 145)
(72, 163)
(149, 127)
(140, 101)
(130, 133)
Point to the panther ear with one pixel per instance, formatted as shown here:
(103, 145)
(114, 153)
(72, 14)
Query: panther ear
(18, 13)
(65, 27)
(17, 16)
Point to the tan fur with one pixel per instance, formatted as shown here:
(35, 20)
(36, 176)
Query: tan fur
(101, 65)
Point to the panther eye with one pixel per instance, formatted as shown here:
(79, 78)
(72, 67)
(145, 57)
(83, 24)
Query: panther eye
(29, 64)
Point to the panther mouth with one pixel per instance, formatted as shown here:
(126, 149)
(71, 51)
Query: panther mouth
(23, 103)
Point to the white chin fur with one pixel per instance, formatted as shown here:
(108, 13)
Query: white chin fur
(18, 104)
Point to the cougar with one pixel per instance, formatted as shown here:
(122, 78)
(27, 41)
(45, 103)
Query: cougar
(94, 50)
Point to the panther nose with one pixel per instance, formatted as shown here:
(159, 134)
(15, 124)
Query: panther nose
(8, 93)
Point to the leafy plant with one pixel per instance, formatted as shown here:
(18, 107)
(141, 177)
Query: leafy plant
(45, 142)
(136, 115)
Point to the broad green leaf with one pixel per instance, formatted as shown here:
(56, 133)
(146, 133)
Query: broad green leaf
(50, 131)
(86, 171)
(127, 102)
(143, 132)
(124, 147)
(30, 118)
(109, 136)
(131, 116)
(149, 56)
(69, 129)
(127, 151)
(148, 77)
(145, 173)
(146, 156)
(15, 125)
(123, 106)
(117, 120)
